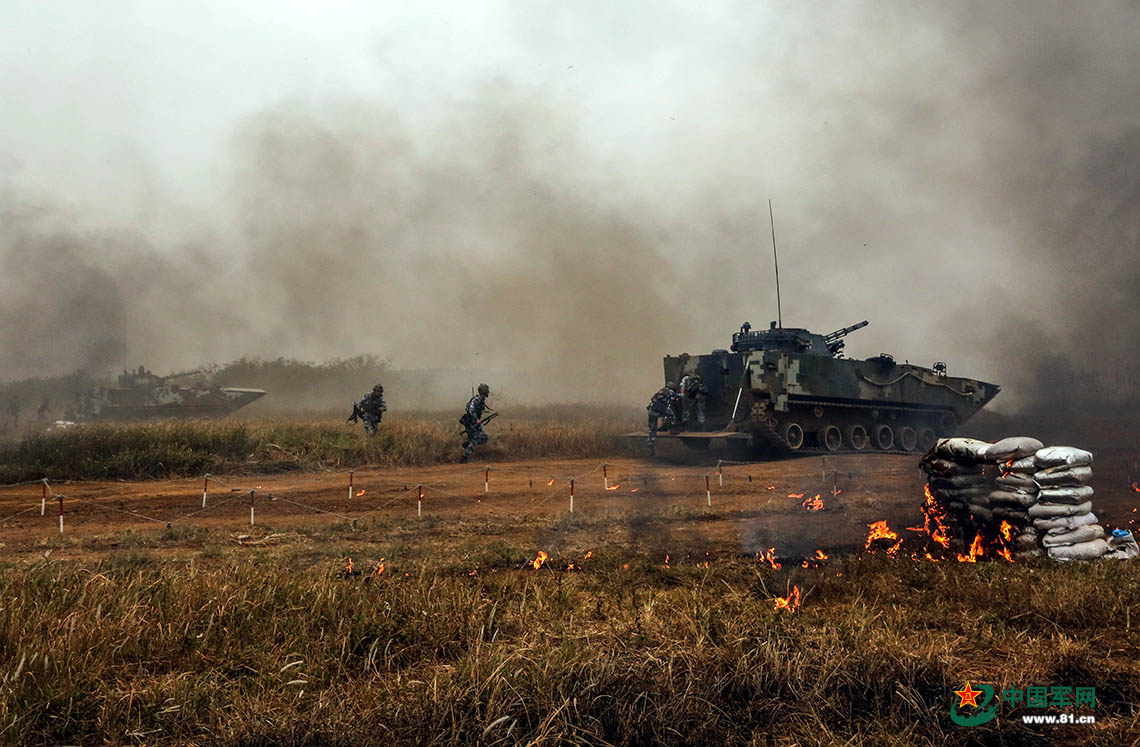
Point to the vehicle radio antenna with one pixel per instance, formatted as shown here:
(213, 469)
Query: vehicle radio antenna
(776, 262)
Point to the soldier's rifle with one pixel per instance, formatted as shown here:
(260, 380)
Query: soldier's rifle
(356, 414)
(484, 421)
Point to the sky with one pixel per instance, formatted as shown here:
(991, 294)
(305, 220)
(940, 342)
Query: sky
(572, 189)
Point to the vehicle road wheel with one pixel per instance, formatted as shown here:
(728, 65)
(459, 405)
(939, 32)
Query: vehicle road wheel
(908, 439)
(926, 439)
(857, 437)
(884, 437)
(831, 438)
(794, 435)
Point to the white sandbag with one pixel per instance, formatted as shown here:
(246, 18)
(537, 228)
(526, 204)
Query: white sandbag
(1014, 447)
(982, 514)
(1028, 554)
(1054, 456)
(1078, 494)
(1122, 545)
(1063, 476)
(1013, 515)
(960, 494)
(1025, 541)
(947, 468)
(1024, 466)
(1073, 536)
(959, 481)
(1009, 497)
(1016, 480)
(1064, 522)
(960, 449)
(1047, 510)
(1080, 551)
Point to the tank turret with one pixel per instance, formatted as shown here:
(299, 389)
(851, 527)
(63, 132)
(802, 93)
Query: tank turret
(143, 395)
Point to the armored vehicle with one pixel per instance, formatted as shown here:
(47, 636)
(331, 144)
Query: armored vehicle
(783, 391)
(142, 395)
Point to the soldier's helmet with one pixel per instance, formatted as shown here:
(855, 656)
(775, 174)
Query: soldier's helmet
(379, 388)
(484, 390)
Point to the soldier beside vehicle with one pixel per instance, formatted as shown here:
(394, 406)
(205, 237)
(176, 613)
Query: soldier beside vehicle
(372, 407)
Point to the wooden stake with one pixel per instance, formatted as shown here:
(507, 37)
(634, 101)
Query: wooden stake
(571, 495)
(205, 487)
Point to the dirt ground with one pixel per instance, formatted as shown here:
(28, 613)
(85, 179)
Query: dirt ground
(652, 504)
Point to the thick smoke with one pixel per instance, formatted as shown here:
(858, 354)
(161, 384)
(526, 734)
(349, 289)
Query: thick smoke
(964, 176)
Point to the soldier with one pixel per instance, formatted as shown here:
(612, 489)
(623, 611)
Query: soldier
(663, 405)
(370, 409)
(472, 422)
(694, 393)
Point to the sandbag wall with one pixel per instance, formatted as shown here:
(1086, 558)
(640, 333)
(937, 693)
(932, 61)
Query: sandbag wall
(1018, 495)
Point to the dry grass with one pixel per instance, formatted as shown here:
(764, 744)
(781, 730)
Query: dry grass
(185, 638)
(181, 448)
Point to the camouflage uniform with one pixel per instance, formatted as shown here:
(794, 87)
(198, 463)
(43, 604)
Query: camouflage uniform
(372, 409)
(473, 431)
(694, 393)
(663, 405)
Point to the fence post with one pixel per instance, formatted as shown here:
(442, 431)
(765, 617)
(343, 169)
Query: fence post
(571, 495)
(205, 487)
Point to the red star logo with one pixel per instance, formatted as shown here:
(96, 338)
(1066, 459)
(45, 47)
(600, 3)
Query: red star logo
(968, 695)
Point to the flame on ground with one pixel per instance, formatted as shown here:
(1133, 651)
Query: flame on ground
(633, 490)
(378, 568)
(615, 486)
(589, 554)
(797, 496)
(976, 551)
(348, 566)
(770, 558)
(813, 504)
(791, 603)
(1136, 486)
(537, 562)
(935, 523)
(1006, 528)
(666, 560)
(360, 492)
(551, 481)
(880, 531)
(820, 555)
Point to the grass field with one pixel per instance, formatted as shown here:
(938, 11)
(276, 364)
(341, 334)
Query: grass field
(187, 637)
(652, 621)
(193, 447)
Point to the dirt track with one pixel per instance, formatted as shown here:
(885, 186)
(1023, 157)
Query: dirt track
(751, 515)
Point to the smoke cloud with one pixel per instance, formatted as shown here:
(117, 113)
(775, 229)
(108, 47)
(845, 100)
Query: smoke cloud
(964, 177)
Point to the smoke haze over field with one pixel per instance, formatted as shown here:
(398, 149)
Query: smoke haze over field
(573, 191)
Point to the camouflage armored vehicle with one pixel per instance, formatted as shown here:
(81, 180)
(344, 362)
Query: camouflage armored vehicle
(142, 395)
(787, 391)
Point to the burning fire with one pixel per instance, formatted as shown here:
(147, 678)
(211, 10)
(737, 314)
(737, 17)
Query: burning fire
(790, 603)
(813, 504)
(666, 560)
(633, 490)
(770, 558)
(820, 555)
(1136, 486)
(360, 492)
(348, 567)
(836, 491)
(378, 568)
(615, 486)
(1005, 530)
(797, 496)
(880, 531)
(589, 554)
(570, 567)
(976, 551)
(551, 481)
(537, 562)
(771, 487)
(935, 523)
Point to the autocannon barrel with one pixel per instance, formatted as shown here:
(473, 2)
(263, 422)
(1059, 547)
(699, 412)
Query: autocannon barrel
(839, 333)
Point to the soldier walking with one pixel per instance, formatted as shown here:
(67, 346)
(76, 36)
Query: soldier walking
(370, 409)
(663, 405)
(694, 394)
(473, 422)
